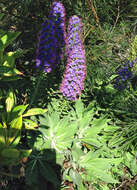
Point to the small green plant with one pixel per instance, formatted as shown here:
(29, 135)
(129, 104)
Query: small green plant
(12, 120)
(79, 145)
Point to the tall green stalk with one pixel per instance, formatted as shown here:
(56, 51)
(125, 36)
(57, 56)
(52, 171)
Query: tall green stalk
(36, 89)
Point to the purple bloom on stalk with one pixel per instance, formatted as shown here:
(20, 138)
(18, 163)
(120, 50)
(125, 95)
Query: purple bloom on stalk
(125, 74)
(52, 39)
(74, 34)
(46, 52)
(74, 76)
(57, 15)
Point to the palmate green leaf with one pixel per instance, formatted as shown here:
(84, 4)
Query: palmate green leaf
(48, 173)
(32, 172)
(34, 111)
(37, 170)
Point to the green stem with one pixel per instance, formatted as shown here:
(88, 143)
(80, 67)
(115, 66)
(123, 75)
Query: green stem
(36, 89)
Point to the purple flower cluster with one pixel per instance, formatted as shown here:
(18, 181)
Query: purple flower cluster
(52, 39)
(57, 15)
(74, 76)
(74, 37)
(124, 75)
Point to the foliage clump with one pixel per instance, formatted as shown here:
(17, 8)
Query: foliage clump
(80, 133)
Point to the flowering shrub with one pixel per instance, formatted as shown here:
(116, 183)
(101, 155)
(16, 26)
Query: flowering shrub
(73, 82)
(52, 38)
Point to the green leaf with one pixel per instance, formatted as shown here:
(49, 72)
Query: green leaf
(4, 69)
(81, 187)
(10, 101)
(10, 156)
(8, 38)
(76, 177)
(98, 167)
(29, 124)
(9, 71)
(76, 151)
(15, 131)
(58, 133)
(35, 111)
(4, 39)
(103, 175)
(97, 126)
(2, 136)
(1, 15)
(19, 110)
(79, 108)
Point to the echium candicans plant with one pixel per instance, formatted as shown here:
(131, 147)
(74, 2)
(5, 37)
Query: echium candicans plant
(74, 76)
(52, 38)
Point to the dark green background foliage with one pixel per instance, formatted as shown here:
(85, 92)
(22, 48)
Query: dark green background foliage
(90, 144)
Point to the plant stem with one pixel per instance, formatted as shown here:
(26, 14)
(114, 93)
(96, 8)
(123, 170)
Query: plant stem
(36, 89)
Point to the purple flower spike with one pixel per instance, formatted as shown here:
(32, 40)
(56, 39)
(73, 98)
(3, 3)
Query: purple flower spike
(46, 52)
(75, 73)
(52, 39)
(74, 34)
(57, 15)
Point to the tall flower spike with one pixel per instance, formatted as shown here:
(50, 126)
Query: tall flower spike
(57, 15)
(52, 39)
(125, 74)
(74, 76)
(46, 52)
